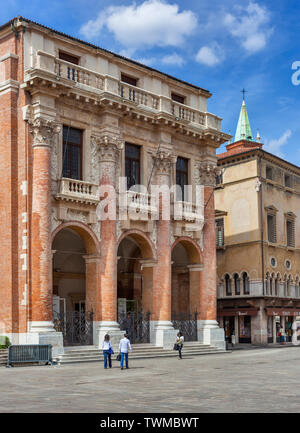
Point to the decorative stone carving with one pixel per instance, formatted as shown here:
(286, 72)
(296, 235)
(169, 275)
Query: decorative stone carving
(163, 161)
(107, 146)
(96, 229)
(54, 220)
(95, 167)
(43, 131)
(153, 234)
(76, 215)
(206, 173)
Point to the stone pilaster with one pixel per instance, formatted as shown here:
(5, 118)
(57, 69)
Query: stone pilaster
(208, 329)
(108, 149)
(41, 326)
(163, 333)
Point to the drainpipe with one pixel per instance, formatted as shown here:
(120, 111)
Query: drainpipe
(261, 226)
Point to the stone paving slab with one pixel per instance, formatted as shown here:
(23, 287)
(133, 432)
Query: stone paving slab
(261, 380)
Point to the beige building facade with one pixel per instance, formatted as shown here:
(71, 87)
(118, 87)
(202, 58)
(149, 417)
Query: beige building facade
(257, 203)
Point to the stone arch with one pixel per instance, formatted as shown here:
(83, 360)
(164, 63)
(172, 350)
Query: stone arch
(76, 252)
(192, 248)
(145, 244)
(84, 231)
(136, 258)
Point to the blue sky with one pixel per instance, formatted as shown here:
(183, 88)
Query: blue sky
(222, 46)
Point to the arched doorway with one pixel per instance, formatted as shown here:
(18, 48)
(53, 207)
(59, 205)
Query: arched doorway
(135, 285)
(185, 299)
(74, 283)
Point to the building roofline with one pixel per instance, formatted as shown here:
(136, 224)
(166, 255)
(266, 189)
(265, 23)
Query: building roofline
(264, 152)
(105, 50)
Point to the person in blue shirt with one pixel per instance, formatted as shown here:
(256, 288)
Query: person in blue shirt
(107, 350)
(124, 347)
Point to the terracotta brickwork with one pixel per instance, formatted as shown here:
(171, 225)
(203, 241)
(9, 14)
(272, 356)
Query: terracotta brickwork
(110, 256)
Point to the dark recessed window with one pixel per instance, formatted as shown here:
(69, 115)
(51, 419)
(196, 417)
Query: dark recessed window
(132, 164)
(68, 58)
(245, 283)
(228, 285)
(237, 284)
(177, 98)
(271, 221)
(220, 232)
(72, 153)
(288, 180)
(269, 173)
(129, 80)
(290, 233)
(182, 177)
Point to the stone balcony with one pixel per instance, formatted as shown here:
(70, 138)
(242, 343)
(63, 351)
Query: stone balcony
(137, 205)
(94, 86)
(78, 191)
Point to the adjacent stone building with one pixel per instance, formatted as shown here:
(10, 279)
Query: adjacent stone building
(75, 118)
(258, 251)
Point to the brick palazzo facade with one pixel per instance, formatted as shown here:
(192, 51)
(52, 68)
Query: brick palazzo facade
(75, 117)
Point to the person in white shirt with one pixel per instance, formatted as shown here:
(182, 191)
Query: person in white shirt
(107, 350)
(124, 346)
(179, 342)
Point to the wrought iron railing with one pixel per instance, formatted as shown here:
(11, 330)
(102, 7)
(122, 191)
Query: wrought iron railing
(187, 324)
(76, 327)
(136, 325)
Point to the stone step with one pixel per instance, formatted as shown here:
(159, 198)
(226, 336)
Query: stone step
(152, 352)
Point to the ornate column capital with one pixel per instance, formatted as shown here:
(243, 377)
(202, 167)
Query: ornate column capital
(43, 131)
(108, 147)
(206, 173)
(163, 161)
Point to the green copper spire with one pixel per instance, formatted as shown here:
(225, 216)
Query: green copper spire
(243, 130)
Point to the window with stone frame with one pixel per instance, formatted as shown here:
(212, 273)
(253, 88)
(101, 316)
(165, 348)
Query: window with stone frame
(228, 285)
(132, 164)
(72, 153)
(246, 288)
(290, 232)
(129, 80)
(182, 165)
(271, 225)
(288, 180)
(220, 232)
(237, 287)
(269, 172)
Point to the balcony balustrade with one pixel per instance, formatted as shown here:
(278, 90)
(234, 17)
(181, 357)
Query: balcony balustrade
(78, 191)
(46, 64)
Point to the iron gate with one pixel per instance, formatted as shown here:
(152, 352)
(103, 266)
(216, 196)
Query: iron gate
(187, 325)
(76, 327)
(136, 325)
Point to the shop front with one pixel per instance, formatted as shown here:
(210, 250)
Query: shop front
(286, 319)
(237, 324)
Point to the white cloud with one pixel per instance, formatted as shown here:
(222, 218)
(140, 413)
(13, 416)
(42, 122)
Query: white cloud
(210, 56)
(172, 59)
(152, 23)
(250, 25)
(275, 145)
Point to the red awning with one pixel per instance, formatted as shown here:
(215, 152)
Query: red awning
(283, 311)
(238, 312)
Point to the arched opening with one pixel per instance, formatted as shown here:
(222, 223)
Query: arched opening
(75, 259)
(237, 289)
(135, 285)
(185, 295)
(228, 290)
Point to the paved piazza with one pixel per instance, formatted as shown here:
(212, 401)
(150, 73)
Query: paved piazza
(257, 380)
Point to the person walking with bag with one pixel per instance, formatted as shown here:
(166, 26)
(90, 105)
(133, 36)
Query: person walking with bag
(124, 347)
(179, 342)
(107, 350)
(282, 335)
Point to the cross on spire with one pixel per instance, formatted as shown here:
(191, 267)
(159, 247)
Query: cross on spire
(243, 92)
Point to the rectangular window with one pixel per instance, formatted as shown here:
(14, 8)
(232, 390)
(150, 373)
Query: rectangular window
(132, 164)
(288, 180)
(269, 173)
(182, 176)
(271, 221)
(290, 233)
(178, 98)
(72, 153)
(220, 232)
(129, 80)
(219, 179)
(68, 58)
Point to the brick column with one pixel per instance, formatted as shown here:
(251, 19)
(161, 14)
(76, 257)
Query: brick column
(208, 328)
(108, 148)
(41, 324)
(163, 332)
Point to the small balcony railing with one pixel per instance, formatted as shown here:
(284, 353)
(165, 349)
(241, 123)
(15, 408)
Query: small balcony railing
(78, 190)
(134, 94)
(187, 211)
(138, 205)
